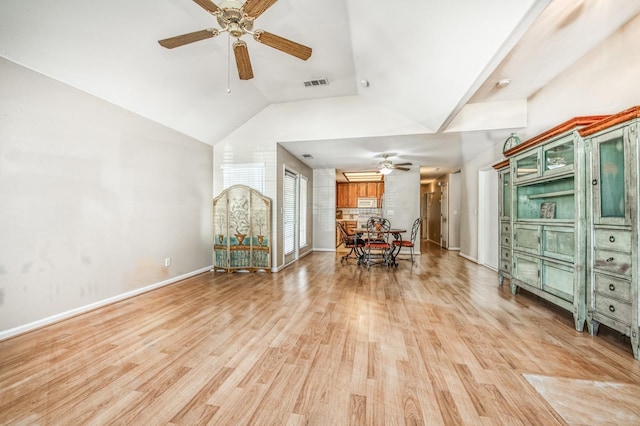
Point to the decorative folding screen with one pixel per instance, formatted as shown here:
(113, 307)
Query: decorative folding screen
(242, 230)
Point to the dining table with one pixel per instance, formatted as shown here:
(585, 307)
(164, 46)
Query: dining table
(396, 233)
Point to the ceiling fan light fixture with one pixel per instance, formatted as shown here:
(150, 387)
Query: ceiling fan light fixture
(386, 170)
(235, 30)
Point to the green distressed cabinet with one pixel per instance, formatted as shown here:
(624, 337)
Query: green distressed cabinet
(242, 230)
(504, 212)
(612, 237)
(543, 234)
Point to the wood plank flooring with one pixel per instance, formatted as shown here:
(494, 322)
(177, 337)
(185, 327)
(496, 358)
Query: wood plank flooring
(323, 343)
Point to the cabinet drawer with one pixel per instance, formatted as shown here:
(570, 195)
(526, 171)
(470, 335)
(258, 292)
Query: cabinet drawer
(527, 238)
(505, 265)
(558, 280)
(505, 228)
(558, 242)
(505, 254)
(612, 261)
(613, 239)
(613, 287)
(613, 309)
(505, 240)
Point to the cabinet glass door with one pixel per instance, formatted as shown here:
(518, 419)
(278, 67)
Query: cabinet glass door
(609, 181)
(558, 157)
(506, 194)
(527, 167)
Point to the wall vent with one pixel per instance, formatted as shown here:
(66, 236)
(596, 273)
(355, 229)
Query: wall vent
(317, 82)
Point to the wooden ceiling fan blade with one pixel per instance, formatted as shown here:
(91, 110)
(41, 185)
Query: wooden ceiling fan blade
(245, 72)
(183, 39)
(404, 164)
(284, 45)
(207, 5)
(405, 169)
(255, 8)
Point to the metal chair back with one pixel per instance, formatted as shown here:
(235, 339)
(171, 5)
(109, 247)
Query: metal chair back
(415, 228)
(377, 244)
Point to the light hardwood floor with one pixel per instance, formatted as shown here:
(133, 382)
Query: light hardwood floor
(323, 343)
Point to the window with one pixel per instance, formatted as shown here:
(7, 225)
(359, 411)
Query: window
(250, 174)
(303, 211)
(289, 211)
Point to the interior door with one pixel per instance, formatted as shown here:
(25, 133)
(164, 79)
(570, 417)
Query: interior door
(444, 216)
(424, 229)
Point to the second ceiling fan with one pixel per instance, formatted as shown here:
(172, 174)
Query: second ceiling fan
(237, 19)
(386, 166)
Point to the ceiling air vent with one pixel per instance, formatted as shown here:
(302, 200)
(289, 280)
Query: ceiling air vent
(317, 82)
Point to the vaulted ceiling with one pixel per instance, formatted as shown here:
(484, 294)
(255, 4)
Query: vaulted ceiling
(424, 60)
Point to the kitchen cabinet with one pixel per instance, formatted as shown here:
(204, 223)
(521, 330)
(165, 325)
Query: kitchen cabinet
(613, 224)
(347, 194)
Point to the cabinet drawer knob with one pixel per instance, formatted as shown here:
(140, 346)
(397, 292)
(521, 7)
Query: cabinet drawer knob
(506, 254)
(594, 182)
(612, 238)
(612, 308)
(610, 259)
(506, 240)
(612, 287)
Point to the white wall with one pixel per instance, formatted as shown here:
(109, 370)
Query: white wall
(478, 152)
(324, 209)
(93, 199)
(402, 200)
(455, 204)
(488, 217)
(605, 81)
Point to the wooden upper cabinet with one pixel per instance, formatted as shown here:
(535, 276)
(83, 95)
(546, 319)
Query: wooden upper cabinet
(341, 194)
(347, 194)
(362, 189)
(352, 198)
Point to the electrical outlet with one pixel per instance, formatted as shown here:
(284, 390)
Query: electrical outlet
(167, 261)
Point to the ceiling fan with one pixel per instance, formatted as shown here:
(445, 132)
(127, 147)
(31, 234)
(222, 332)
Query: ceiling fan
(386, 166)
(237, 19)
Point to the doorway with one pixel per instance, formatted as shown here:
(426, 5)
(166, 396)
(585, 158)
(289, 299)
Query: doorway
(444, 215)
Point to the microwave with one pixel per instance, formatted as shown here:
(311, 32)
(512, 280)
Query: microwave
(367, 203)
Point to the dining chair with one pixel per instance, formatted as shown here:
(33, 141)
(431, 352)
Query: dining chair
(415, 228)
(377, 243)
(352, 242)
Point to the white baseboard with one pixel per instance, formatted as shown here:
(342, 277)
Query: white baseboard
(453, 248)
(12, 332)
(473, 259)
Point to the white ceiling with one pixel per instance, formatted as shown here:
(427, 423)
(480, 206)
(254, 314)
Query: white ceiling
(423, 59)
